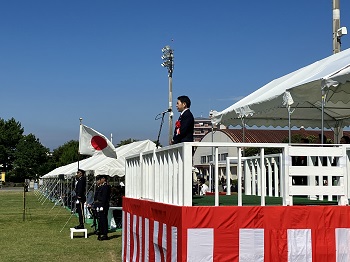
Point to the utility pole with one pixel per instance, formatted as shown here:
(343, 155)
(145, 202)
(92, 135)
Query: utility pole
(336, 26)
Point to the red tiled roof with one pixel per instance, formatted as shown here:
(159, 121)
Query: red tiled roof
(272, 135)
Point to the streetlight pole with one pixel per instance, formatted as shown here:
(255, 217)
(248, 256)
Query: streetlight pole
(168, 62)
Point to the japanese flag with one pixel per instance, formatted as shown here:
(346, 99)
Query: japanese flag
(92, 142)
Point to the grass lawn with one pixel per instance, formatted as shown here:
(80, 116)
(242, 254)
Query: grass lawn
(38, 238)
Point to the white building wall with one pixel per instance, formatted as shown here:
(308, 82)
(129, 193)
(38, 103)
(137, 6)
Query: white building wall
(216, 136)
(205, 151)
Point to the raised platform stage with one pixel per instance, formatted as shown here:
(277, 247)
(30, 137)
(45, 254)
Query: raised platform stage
(160, 232)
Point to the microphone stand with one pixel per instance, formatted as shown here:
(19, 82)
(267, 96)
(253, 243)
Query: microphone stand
(160, 128)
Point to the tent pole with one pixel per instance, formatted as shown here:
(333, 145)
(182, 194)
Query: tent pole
(243, 135)
(289, 128)
(80, 128)
(322, 117)
(243, 126)
(338, 131)
(287, 101)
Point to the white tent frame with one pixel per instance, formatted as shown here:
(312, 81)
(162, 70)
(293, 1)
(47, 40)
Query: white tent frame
(317, 94)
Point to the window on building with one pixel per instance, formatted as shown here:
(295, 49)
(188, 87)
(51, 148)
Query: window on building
(222, 157)
(203, 159)
(210, 158)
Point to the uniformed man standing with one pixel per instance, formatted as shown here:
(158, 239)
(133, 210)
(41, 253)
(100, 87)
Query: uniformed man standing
(80, 191)
(95, 203)
(102, 205)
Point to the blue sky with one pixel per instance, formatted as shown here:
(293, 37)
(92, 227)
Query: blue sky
(100, 60)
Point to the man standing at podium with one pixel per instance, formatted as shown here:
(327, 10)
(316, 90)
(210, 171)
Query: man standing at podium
(184, 126)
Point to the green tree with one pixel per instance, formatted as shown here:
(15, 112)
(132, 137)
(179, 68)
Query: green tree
(66, 154)
(30, 158)
(296, 139)
(254, 151)
(127, 141)
(11, 132)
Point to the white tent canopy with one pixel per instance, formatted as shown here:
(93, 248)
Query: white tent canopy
(302, 90)
(102, 165)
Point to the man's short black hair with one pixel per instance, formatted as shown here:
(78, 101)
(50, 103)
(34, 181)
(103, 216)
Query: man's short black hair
(185, 99)
(104, 176)
(82, 171)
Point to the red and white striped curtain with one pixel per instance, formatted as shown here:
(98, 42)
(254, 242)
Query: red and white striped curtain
(159, 232)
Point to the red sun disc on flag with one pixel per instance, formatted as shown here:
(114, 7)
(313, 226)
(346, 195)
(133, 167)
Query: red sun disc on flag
(98, 142)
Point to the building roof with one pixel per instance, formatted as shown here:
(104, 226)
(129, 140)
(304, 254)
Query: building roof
(272, 135)
(202, 119)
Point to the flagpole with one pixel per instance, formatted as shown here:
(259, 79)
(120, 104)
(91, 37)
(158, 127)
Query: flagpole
(80, 120)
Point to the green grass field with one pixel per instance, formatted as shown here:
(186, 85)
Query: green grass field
(38, 238)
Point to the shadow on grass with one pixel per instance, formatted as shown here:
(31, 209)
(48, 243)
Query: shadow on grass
(90, 234)
(114, 236)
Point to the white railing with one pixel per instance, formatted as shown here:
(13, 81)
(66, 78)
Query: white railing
(165, 175)
(252, 178)
(326, 170)
(162, 175)
(256, 172)
(252, 168)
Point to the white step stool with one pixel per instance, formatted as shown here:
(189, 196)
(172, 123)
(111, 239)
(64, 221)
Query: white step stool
(73, 230)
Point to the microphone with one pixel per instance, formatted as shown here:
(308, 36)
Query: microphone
(161, 115)
(166, 111)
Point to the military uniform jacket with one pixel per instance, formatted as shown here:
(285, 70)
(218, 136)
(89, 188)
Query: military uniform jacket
(80, 189)
(102, 196)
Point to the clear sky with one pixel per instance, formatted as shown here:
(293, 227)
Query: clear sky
(100, 60)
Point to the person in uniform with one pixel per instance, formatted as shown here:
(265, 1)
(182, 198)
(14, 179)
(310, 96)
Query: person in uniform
(103, 193)
(80, 191)
(93, 206)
